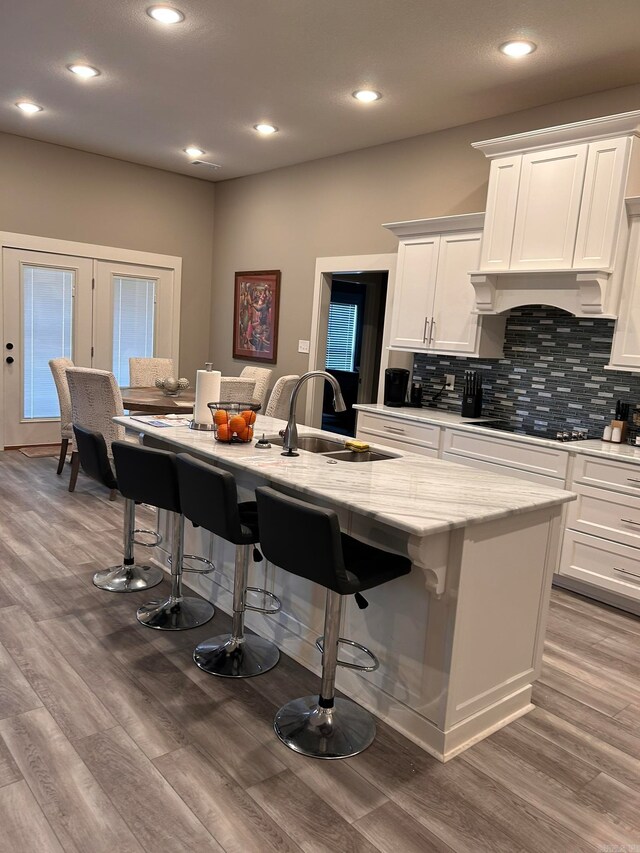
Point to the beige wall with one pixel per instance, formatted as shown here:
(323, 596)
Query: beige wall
(287, 218)
(50, 191)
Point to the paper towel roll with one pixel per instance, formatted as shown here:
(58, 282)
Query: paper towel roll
(207, 391)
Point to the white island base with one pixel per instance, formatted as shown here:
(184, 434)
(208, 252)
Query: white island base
(459, 639)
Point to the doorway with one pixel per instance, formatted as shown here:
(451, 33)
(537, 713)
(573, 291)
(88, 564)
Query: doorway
(94, 311)
(354, 335)
(345, 266)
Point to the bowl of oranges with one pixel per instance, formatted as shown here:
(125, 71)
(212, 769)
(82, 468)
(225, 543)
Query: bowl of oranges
(232, 422)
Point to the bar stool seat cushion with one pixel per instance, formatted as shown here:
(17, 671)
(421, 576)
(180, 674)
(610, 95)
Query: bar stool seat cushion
(367, 566)
(306, 540)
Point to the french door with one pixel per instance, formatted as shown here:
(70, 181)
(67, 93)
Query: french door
(97, 313)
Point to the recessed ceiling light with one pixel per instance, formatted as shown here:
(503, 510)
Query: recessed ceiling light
(517, 48)
(192, 151)
(28, 107)
(165, 14)
(367, 95)
(84, 71)
(265, 129)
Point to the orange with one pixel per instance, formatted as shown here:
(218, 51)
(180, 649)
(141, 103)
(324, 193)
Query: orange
(249, 416)
(223, 433)
(220, 417)
(237, 424)
(242, 433)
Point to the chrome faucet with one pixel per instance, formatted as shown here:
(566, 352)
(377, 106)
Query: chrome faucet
(290, 441)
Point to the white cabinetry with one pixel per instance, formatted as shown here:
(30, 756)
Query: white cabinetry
(422, 438)
(625, 352)
(433, 301)
(506, 456)
(602, 540)
(552, 205)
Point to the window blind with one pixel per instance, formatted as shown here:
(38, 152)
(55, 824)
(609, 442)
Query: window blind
(133, 322)
(47, 300)
(341, 336)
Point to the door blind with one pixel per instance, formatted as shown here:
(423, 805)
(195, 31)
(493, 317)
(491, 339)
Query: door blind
(133, 322)
(47, 301)
(341, 336)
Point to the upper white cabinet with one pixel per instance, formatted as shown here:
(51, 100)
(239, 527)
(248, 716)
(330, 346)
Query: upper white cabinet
(556, 209)
(625, 352)
(433, 301)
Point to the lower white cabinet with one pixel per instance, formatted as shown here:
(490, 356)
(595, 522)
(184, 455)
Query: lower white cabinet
(410, 436)
(602, 538)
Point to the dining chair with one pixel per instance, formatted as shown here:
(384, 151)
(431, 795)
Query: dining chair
(262, 375)
(234, 389)
(278, 405)
(59, 370)
(143, 372)
(95, 401)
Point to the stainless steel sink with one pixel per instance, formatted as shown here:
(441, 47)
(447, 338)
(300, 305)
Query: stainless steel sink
(359, 455)
(312, 443)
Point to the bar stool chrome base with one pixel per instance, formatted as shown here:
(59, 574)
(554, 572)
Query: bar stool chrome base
(175, 614)
(128, 578)
(236, 658)
(338, 732)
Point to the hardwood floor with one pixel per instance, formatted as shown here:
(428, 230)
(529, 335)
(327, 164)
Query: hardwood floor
(112, 740)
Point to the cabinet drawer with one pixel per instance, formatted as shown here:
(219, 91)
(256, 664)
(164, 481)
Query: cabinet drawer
(593, 471)
(605, 513)
(382, 428)
(518, 454)
(505, 470)
(607, 565)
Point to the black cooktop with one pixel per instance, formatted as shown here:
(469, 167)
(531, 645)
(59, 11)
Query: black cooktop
(565, 433)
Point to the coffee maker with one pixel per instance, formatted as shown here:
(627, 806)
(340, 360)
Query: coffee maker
(396, 381)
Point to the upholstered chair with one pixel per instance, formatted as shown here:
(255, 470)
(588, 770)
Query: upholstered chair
(262, 375)
(234, 389)
(59, 370)
(95, 401)
(143, 372)
(278, 405)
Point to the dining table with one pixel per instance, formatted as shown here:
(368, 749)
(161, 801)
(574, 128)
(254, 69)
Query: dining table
(154, 401)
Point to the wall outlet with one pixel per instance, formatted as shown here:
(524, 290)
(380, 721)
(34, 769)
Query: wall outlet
(450, 379)
(303, 346)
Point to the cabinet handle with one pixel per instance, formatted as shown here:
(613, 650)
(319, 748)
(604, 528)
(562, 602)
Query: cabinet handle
(630, 521)
(633, 480)
(395, 429)
(424, 331)
(626, 572)
(431, 328)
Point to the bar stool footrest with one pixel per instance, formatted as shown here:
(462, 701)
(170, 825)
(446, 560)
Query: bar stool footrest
(208, 563)
(348, 664)
(157, 538)
(268, 610)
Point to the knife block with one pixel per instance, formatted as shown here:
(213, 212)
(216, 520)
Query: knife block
(472, 405)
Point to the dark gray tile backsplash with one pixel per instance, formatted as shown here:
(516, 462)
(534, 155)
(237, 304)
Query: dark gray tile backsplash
(552, 374)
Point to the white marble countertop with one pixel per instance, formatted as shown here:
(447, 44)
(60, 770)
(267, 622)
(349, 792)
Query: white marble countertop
(413, 493)
(439, 417)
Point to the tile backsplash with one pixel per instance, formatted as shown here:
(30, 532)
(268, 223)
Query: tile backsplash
(552, 374)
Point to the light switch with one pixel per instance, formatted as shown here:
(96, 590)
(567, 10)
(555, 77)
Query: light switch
(303, 346)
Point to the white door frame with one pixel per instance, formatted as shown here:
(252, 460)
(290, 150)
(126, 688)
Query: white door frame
(11, 240)
(325, 268)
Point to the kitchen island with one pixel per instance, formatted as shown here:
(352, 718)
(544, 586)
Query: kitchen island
(460, 638)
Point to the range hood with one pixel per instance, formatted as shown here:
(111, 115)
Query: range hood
(556, 228)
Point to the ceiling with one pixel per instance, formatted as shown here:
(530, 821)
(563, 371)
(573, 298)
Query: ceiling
(294, 63)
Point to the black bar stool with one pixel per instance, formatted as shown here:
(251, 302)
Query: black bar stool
(209, 498)
(151, 476)
(129, 576)
(306, 541)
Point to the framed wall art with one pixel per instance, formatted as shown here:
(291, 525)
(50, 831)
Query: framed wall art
(255, 315)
